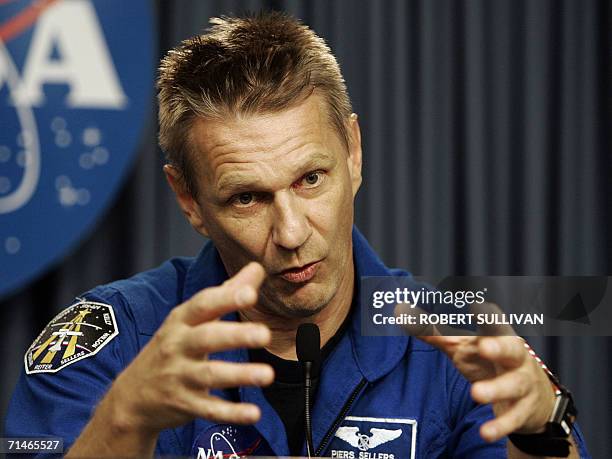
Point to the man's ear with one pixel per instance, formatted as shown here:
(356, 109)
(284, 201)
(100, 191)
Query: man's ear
(185, 199)
(354, 159)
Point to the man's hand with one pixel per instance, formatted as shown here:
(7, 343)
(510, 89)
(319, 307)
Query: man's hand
(501, 371)
(504, 375)
(168, 383)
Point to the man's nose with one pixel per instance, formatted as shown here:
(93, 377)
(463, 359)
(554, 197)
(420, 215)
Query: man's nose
(290, 228)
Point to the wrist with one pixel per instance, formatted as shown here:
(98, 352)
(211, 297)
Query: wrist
(549, 401)
(555, 438)
(125, 419)
(550, 397)
(113, 431)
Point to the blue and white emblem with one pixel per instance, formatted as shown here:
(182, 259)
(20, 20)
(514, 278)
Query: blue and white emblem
(225, 441)
(375, 438)
(75, 88)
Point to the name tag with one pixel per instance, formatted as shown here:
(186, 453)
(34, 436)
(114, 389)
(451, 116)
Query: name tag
(374, 438)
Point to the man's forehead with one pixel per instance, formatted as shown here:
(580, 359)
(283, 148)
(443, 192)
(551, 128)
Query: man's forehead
(232, 176)
(269, 136)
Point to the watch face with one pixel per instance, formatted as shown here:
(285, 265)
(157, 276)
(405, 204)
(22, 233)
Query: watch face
(563, 415)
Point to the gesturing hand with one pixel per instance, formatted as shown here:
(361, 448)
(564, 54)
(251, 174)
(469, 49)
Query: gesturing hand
(168, 383)
(506, 376)
(503, 374)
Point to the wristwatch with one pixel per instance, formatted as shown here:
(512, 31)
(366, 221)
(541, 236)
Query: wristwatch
(554, 440)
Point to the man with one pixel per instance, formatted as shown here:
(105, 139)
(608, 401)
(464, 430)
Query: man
(264, 156)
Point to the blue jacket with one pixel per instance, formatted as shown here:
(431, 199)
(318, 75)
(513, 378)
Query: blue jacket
(378, 397)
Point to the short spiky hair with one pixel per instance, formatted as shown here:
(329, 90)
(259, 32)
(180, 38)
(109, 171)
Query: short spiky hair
(244, 65)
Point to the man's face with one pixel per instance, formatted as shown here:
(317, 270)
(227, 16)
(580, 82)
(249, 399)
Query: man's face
(279, 189)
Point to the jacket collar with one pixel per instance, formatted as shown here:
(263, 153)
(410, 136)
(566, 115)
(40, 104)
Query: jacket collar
(375, 355)
(207, 270)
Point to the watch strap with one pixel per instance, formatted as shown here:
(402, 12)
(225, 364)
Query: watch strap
(541, 444)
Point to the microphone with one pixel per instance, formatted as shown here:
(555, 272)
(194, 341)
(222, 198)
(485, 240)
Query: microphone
(308, 348)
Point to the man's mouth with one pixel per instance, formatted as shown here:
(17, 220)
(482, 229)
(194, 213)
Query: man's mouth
(302, 273)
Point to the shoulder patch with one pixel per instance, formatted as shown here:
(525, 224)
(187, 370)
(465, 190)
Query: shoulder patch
(78, 332)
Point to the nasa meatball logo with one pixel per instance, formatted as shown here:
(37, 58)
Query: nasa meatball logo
(78, 332)
(375, 438)
(76, 79)
(223, 441)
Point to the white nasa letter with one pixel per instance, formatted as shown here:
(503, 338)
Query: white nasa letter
(84, 63)
(208, 454)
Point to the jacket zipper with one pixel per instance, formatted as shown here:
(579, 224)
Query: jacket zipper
(340, 418)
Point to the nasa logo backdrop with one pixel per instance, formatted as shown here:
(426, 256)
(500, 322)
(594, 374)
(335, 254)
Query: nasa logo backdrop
(76, 79)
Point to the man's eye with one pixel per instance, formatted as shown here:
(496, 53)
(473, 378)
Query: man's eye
(312, 178)
(244, 199)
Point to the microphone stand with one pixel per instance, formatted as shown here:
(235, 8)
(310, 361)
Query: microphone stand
(308, 349)
(307, 417)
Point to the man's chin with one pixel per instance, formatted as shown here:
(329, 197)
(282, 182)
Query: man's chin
(296, 305)
(300, 312)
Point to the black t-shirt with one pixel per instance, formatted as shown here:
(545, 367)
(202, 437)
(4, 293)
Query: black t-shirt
(286, 393)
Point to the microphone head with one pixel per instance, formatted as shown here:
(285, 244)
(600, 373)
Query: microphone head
(308, 343)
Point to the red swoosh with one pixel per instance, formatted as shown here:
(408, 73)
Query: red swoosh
(247, 451)
(23, 20)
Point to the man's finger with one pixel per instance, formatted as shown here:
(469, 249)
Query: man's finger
(219, 335)
(251, 274)
(418, 328)
(508, 386)
(508, 351)
(217, 374)
(450, 345)
(236, 293)
(508, 422)
(222, 411)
